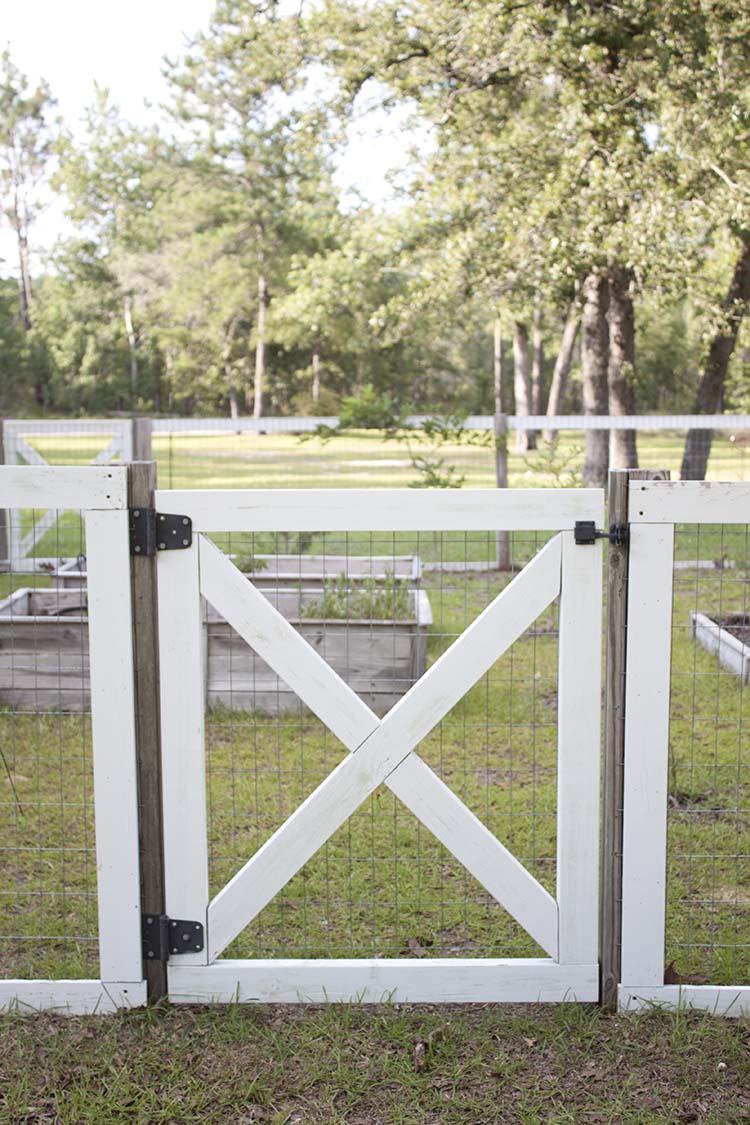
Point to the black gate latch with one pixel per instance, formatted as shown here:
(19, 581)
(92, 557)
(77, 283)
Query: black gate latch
(152, 531)
(586, 534)
(163, 936)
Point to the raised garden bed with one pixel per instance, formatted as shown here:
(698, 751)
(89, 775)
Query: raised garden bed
(44, 661)
(729, 637)
(44, 650)
(380, 659)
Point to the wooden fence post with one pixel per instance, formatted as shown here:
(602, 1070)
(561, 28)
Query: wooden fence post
(610, 919)
(142, 428)
(141, 486)
(4, 515)
(502, 538)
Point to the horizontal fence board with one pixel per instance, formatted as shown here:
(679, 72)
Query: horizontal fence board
(689, 501)
(384, 509)
(384, 981)
(70, 997)
(719, 1000)
(62, 487)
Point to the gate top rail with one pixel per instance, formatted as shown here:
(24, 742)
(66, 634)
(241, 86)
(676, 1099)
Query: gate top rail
(57, 486)
(385, 509)
(689, 501)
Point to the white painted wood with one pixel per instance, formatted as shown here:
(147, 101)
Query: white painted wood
(579, 750)
(389, 509)
(183, 693)
(721, 1000)
(110, 452)
(384, 980)
(312, 678)
(410, 720)
(31, 456)
(66, 426)
(646, 753)
(475, 847)
(47, 520)
(732, 653)
(55, 486)
(114, 749)
(690, 501)
(70, 997)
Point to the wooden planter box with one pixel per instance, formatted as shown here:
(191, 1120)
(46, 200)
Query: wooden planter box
(44, 650)
(44, 653)
(732, 653)
(380, 660)
(294, 570)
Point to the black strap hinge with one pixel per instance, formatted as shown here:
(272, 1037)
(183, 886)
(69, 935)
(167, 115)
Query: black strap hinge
(152, 531)
(586, 533)
(163, 937)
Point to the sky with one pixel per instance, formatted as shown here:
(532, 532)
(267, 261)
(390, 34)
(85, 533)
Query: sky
(76, 43)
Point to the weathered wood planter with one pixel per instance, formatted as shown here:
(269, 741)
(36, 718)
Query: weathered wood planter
(295, 570)
(44, 658)
(44, 650)
(732, 652)
(380, 660)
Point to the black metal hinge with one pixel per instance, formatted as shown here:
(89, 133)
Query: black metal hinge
(152, 531)
(164, 936)
(585, 533)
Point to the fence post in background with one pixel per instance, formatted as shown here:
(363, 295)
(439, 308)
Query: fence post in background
(141, 438)
(4, 515)
(141, 486)
(610, 921)
(502, 538)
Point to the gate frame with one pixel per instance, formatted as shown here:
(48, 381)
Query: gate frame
(654, 509)
(576, 974)
(101, 493)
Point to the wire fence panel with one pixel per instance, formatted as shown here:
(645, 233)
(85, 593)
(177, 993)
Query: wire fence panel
(48, 892)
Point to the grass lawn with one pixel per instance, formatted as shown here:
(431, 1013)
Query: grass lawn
(374, 1066)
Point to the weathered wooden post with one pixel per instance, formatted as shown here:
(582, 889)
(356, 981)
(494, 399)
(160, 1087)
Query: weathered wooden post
(4, 515)
(502, 538)
(141, 487)
(141, 438)
(610, 927)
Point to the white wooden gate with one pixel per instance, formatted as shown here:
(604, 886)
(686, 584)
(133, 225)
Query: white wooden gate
(655, 508)
(564, 925)
(101, 493)
(18, 451)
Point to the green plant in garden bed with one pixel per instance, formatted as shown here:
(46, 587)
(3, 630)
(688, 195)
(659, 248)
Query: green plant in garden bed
(368, 599)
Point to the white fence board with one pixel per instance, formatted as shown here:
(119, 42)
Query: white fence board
(689, 501)
(61, 487)
(385, 981)
(70, 997)
(384, 509)
(114, 749)
(719, 1000)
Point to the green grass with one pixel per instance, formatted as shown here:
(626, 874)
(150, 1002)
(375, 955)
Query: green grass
(374, 1066)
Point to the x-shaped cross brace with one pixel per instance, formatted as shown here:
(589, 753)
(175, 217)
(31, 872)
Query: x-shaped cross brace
(381, 750)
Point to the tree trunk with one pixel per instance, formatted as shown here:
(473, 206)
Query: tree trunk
(595, 361)
(623, 453)
(130, 330)
(537, 363)
(234, 411)
(709, 399)
(316, 374)
(498, 365)
(522, 383)
(563, 364)
(260, 349)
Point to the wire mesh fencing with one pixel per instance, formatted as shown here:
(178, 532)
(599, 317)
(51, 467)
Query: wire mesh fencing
(48, 898)
(381, 609)
(708, 846)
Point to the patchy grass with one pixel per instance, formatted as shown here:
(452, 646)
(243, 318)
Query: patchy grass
(374, 1066)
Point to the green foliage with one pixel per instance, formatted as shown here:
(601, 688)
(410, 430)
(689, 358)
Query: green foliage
(368, 599)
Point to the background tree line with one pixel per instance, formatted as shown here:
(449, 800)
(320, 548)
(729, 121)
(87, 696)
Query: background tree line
(574, 237)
